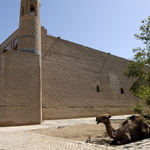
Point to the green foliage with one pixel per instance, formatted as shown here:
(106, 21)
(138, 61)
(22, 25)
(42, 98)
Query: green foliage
(146, 118)
(138, 109)
(139, 68)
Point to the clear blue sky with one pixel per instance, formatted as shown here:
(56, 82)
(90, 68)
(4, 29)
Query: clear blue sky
(105, 25)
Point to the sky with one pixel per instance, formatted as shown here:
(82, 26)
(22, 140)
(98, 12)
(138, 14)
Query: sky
(105, 25)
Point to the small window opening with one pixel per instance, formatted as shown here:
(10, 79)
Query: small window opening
(22, 13)
(122, 91)
(32, 10)
(15, 43)
(98, 88)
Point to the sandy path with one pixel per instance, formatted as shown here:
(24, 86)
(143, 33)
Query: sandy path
(80, 132)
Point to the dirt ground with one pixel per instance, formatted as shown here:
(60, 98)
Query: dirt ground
(96, 132)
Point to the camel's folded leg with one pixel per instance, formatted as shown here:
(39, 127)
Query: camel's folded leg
(114, 142)
(119, 142)
(126, 139)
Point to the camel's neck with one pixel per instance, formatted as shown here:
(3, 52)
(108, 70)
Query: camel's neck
(110, 130)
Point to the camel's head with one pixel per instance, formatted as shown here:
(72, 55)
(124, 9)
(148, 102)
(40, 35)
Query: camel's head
(103, 118)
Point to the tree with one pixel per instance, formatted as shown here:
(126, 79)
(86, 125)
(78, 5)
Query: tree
(139, 68)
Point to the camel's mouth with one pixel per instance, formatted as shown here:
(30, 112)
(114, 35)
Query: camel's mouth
(98, 120)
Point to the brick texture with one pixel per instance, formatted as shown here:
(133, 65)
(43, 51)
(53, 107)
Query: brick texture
(78, 81)
(19, 89)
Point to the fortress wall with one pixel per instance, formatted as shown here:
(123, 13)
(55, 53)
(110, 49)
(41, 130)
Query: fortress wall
(71, 74)
(19, 89)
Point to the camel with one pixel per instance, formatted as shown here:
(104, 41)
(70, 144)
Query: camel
(131, 130)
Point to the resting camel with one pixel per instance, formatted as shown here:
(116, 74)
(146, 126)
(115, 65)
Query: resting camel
(130, 130)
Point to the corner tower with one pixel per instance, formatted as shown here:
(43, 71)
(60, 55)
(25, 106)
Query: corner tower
(30, 27)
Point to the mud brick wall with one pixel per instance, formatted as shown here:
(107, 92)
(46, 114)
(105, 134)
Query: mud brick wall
(20, 101)
(78, 81)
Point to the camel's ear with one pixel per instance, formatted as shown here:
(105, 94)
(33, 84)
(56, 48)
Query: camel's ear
(109, 116)
(132, 117)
